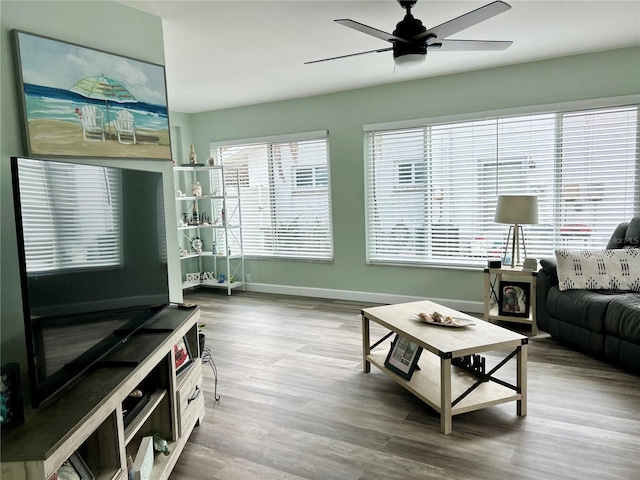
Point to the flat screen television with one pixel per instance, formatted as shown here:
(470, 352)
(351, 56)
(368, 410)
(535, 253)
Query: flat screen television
(93, 263)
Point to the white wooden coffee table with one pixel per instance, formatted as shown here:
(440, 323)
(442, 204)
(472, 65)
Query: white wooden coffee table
(443, 381)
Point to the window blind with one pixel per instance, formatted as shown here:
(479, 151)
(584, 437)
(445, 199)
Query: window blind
(431, 191)
(285, 196)
(70, 216)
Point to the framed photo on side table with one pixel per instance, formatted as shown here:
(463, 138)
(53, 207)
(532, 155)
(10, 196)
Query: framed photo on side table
(403, 357)
(182, 355)
(514, 299)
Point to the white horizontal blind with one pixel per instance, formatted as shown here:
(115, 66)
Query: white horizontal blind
(71, 215)
(284, 190)
(432, 191)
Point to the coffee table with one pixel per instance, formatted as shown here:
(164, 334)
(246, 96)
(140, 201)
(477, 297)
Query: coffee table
(448, 378)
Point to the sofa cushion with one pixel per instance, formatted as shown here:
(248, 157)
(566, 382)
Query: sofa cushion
(616, 270)
(623, 317)
(583, 308)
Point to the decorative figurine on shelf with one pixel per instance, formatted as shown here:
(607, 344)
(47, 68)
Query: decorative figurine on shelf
(196, 189)
(194, 213)
(204, 219)
(192, 155)
(211, 161)
(221, 278)
(196, 244)
(231, 279)
(185, 219)
(160, 444)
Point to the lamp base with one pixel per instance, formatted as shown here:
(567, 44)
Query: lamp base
(515, 235)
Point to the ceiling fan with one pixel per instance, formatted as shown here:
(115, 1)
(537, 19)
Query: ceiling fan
(411, 40)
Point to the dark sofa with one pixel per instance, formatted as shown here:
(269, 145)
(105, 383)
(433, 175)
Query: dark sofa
(603, 323)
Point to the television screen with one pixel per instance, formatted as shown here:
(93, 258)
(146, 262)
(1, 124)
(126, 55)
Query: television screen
(92, 253)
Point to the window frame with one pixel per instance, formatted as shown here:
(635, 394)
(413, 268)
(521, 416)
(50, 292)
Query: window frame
(424, 124)
(327, 254)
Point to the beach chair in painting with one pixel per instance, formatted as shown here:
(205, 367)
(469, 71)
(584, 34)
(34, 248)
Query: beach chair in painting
(92, 120)
(125, 126)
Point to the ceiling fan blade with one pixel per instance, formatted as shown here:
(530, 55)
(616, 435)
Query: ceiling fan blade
(361, 27)
(468, 45)
(350, 55)
(465, 21)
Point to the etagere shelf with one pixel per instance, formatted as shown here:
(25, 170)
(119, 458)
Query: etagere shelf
(210, 226)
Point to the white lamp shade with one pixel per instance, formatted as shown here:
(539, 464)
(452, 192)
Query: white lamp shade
(517, 209)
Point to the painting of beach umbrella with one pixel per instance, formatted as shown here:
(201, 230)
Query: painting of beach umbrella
(103, 88)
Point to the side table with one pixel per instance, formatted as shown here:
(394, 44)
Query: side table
(517, 292)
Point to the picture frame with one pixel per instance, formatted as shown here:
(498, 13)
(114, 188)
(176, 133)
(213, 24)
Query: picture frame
(77, 101)
(182, 355)
(74, 469)
(11, 403)
(514, 299)
(403, 357)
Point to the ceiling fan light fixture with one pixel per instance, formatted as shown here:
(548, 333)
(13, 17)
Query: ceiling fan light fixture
(410, 59)
(411, 39)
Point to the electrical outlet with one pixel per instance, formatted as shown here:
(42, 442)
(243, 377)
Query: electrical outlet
(248, 275)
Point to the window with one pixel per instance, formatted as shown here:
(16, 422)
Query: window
(76, 223)
(285, 195)
(311, 177)
(410, 173)
(432, 190)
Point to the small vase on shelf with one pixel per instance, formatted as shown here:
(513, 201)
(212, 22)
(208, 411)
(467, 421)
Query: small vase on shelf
(160, 444)
(192, 156)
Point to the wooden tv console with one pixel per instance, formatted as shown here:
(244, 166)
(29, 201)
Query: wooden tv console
(88, 418)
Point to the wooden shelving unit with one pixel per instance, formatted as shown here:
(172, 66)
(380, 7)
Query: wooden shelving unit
(88, 418)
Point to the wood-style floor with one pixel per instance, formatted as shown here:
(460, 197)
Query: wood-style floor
(295, 404)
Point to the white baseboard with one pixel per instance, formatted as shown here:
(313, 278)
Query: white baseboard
(385, 298)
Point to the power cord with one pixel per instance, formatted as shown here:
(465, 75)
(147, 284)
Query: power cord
(207, 358)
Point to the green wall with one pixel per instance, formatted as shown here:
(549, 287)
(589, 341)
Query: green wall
(576, 78)
(103, 25)
(181, 136)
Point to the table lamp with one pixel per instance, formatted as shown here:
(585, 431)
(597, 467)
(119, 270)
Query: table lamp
(516, 210)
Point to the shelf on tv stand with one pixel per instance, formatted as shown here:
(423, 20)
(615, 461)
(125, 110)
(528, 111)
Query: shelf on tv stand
(88, 418)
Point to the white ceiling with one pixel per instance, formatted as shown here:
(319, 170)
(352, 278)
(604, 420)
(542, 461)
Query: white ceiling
(222, 54)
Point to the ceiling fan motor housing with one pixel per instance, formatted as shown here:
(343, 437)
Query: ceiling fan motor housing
(408, 28)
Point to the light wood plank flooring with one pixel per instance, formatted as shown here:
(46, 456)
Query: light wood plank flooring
(295, 404)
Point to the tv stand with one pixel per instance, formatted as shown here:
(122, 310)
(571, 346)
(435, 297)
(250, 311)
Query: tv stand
(118, 363)
(88, 418)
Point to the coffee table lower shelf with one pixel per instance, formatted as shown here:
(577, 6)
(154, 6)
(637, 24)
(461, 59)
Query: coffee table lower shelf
(426, 385)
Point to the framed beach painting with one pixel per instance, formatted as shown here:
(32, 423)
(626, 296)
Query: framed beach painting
(81, 102)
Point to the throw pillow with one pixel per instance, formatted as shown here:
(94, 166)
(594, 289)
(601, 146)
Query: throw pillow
(617, 269)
